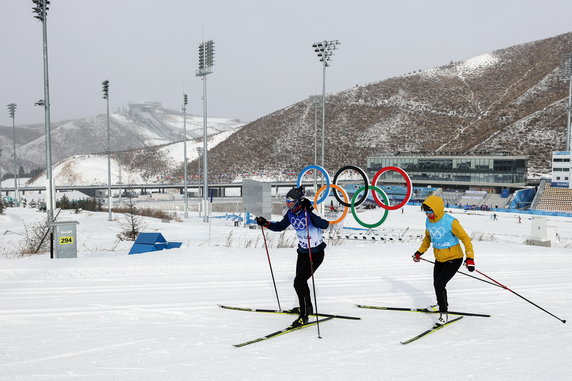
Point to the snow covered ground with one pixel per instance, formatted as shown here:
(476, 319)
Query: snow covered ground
(109, 315)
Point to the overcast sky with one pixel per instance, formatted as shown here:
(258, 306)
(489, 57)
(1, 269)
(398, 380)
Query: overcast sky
(264, 60)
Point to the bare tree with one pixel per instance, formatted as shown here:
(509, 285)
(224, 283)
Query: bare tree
(36, 238)
(131, 224)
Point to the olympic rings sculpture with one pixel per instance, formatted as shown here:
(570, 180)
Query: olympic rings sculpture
(351, 205)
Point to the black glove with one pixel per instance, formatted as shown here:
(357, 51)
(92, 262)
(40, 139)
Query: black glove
(470, 263)
(262, 222)
(417, 256)
(306, 204)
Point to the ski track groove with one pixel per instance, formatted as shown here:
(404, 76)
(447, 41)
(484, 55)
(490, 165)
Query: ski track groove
(78, 353)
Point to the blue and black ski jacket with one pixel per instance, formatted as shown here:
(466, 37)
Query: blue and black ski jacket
(298, 222)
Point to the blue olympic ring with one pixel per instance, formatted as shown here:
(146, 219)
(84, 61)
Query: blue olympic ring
(326, 176)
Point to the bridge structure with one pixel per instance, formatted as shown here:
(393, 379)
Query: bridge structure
(100, 190)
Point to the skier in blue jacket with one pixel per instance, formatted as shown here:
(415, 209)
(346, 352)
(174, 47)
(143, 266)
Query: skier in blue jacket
(308, 227)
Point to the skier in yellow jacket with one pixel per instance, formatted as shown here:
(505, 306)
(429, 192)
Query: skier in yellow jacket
(445, 233)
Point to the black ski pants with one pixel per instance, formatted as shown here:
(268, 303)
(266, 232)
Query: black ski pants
(442, 274)
(303, 273)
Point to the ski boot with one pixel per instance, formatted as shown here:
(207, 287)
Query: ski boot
(443, 319)
(300, 321)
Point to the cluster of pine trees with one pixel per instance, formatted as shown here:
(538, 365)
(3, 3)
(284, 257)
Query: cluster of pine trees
(85, 204)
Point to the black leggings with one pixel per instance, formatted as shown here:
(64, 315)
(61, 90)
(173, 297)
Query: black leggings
(303, 273)
(442, 274)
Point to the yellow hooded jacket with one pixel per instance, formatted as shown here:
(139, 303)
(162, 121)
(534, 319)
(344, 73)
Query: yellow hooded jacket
(442, 255)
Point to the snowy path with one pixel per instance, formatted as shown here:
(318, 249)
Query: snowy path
(151, 317)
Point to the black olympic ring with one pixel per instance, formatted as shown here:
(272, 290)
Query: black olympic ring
(363, 176)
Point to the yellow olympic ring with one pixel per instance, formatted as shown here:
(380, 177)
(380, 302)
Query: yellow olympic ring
(346, 199)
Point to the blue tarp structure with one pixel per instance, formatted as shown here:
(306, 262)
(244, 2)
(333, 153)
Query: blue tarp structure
(248, 220)
(147, 242)
(522, 198)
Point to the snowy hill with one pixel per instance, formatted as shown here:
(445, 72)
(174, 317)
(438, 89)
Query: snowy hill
(143, 124)
(512, 100)
(158, 164)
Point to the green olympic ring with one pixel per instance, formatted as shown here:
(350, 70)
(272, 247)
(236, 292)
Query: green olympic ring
(383, 195)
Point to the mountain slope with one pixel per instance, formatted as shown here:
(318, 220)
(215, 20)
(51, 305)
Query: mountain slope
(143, 124)
(157, 164)
(509, 100)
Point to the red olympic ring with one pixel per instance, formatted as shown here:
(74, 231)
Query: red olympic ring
(407, 181)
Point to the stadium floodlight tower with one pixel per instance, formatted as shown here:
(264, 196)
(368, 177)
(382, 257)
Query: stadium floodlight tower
(12, 112)
(567, 75)
(325, 50)
(200, 153)
(185, 179)
(41, 11)
(206, 62)
(105, 85)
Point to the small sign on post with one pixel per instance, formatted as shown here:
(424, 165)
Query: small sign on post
(65, 239)
(257, 198)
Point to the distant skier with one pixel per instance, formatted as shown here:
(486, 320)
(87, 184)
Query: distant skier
(298, 214)
(444, 232)
(332, 207)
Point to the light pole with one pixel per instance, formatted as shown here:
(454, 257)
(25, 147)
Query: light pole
(200, 152)
(1, 199)
(12, 111)
(41, 11)
(206, 62)
(106, 97)
(185, 101)
(567, 74)
(325, 50)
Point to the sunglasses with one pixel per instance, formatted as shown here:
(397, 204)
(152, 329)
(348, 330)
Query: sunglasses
(429, 212)
(290, 200)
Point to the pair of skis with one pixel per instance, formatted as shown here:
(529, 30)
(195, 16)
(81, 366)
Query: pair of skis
(323, 318)
(434, 329)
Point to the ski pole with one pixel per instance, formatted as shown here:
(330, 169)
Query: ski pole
(271, 272)
(312, 272)
(497, 284)
(520, 296)
(472, 276)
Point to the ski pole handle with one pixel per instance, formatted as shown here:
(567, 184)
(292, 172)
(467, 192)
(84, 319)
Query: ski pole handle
(498, 284)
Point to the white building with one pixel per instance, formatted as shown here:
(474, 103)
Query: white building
(561, 169)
